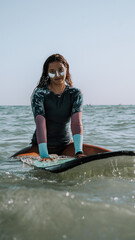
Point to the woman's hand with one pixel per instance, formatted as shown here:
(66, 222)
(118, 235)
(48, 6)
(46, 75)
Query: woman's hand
(47, 159)
(80, 155)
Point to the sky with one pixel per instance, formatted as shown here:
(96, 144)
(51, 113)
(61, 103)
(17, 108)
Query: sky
(97, 38)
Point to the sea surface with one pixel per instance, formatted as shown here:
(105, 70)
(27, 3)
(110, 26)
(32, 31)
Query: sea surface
(95, 202)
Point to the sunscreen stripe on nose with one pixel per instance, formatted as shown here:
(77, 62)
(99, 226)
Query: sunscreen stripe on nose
(57, 74)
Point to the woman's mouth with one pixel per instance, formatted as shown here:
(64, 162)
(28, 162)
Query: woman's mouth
(57, 79)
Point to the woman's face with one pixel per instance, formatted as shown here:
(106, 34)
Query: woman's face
(57, 72)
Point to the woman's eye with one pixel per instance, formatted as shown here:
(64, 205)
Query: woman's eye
(52, 71)
(61, 70)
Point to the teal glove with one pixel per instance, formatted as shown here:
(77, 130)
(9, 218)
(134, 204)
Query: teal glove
(43, 151)
(78, 142)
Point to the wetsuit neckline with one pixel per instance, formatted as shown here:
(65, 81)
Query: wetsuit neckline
(57, 94)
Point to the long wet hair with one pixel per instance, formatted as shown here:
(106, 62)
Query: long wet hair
(45, 80)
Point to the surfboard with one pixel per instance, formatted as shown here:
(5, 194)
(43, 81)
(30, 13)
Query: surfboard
(64, 163)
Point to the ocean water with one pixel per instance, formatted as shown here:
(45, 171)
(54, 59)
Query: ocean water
(95, 201)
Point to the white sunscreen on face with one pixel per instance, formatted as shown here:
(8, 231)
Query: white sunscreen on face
(62, 73)
(57, 74)
(52, 75)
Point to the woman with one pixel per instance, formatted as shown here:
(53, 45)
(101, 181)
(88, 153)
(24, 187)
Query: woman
(55, 102)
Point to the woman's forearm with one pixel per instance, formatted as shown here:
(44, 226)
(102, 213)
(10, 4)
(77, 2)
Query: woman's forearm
(77, 131)
(76, 123)
(41, 131)
(41, 134)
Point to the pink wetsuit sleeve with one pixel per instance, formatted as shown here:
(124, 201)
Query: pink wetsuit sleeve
(41, 131)
(76, 123)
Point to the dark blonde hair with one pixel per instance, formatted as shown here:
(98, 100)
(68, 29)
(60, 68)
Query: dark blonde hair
(44, 80)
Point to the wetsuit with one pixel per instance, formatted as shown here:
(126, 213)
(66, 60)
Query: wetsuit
(57, 110)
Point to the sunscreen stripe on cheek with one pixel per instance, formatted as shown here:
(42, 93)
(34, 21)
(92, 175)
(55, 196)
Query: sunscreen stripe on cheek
(51, 75)
(62, 73)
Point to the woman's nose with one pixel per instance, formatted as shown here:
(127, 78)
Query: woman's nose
(57, 74)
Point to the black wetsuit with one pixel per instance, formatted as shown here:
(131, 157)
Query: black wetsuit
(57, 110)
